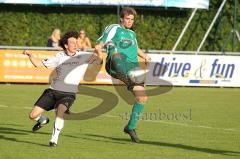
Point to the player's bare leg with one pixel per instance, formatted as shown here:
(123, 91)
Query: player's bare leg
(36, 115)
(58, 124)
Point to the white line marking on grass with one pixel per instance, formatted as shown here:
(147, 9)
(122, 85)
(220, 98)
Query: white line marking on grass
(3, 106)
(194, 126)
(27, 108)
(110, 116)
(6, 106)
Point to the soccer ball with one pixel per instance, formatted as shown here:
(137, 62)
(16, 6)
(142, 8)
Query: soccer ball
(137, 75)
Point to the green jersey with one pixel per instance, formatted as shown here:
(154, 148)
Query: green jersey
(120, 40)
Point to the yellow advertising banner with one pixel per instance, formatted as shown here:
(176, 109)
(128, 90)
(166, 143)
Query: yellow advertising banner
(16, 67)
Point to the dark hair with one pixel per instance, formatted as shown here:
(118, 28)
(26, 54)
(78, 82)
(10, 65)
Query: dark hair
(64, 39)
(128, 11)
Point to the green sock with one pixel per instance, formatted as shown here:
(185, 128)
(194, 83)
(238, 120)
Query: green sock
(136, 111)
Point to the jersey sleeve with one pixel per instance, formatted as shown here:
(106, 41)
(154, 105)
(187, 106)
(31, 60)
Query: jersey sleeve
(108, 34)
(51, 62)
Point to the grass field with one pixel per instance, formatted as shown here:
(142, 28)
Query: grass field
(208, 127)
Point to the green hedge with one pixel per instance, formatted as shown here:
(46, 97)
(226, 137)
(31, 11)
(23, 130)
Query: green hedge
(156, 28)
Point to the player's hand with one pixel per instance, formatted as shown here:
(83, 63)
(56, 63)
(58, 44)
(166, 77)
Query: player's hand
(95, 59)
(26, 52)
(147, 60)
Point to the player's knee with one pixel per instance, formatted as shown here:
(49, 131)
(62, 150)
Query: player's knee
(117, 56)
(32, 115)
(142, 99)
(61, 109)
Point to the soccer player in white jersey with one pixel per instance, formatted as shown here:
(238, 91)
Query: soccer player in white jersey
(122, 52)
(62, 91)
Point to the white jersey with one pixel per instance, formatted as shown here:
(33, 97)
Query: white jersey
(69, 70)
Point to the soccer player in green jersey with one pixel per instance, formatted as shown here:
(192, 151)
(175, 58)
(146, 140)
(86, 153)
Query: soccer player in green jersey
(122, 56)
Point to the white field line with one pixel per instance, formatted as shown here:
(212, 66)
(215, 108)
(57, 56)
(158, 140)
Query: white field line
(3, 106)
(194, 126)
(12, 107)
(153, 121)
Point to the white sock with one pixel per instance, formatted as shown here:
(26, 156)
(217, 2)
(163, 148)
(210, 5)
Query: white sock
(58, 125)
(37, 118)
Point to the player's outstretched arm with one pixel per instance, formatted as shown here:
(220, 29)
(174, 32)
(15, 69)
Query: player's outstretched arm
(35, 61)
(97, 56)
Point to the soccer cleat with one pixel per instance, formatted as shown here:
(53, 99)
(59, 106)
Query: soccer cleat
(52, 144)
(132, 133)
(38, 125)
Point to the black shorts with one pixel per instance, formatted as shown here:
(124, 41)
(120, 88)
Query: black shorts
(50, 99)
(124, 78)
